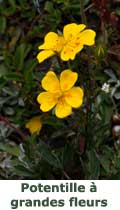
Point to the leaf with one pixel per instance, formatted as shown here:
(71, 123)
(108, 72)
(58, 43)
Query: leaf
(106, 158)
(117, 95)
(3, 100)
(22, 171)
(48, 155)
(117, 11)
(105, 164)
(67, 156)
(3, 70)
(11, 91)
(14, 77)
(12, 3)
(20, 54)
(3, 23)
(93, 164)
(28, 69)
(111, 74)
(49, 7)
(2, 83)
(12, 150)
(9, 111)
(53, 122)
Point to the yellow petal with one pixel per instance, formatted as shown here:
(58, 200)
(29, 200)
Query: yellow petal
(44, 55)
(59, 44)
(71, 30)
(47, 101)
(50, 41)
(69, 52)
(87, 37)
(76, 44)
(74, 97)
(34, 125)
(50, 82)
(67, 79)
(62, 109)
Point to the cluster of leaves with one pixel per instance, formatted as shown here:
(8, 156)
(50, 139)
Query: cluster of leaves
(82, 146)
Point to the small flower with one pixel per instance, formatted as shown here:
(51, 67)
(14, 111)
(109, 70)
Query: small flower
(106, 88)
(67, 45)
(116, 130)
(53, 44)
(75, 38)
(34, 125)
(60, 93)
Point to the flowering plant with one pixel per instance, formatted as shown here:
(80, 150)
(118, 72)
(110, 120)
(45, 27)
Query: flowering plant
(62, 93)
(67, 45)
(59, 89)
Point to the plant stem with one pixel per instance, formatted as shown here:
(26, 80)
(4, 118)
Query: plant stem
(103, 32)
(82, 12)
(66, 175)
(59, 62)
(7, 122)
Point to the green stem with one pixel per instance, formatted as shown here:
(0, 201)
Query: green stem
(89, 91)
(114, 105)
(82, 12)
(103, 33)
(59, 62)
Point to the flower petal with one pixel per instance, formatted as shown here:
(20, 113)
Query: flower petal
(59, 44)
(47, 101)
(50, 82)
(74, 97)
(34, 125)
(62, 109)
(71, 30)
(44, 55)
(87, 37)
(50, 41)
(67, 79)
(69, 52)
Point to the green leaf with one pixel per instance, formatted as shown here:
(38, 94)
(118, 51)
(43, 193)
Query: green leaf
(3, 23)
(12, 3)
(14, 77)
(29, 68)
(53, 121)
(117, 11)
(22, 171)
(3, 70)
(2, 82)
(67, 155)
(12, 150)
(9, 111)
(49, 7)
(94, 165)
(20, 54)
(49, 156)
(106, 158)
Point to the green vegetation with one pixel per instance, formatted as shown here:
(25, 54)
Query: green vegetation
(86, 144)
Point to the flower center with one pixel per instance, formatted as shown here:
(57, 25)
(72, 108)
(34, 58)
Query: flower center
(61, 100)
(59, 43)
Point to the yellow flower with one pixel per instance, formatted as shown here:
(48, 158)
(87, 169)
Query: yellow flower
(53, 44)
(69, 44)
(60, 93)
(34, 125)
(75, 38)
